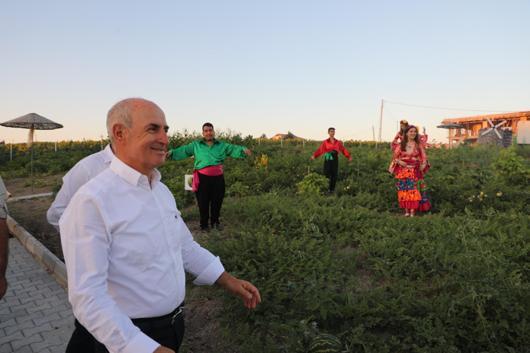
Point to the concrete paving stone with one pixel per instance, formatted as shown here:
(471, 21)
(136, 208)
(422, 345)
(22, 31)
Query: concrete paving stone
(39, 307)
(10, 301)
(26, 341)
(9, 338)
(25, 349)
(18, 328)
(37, 330)
(6, 348)
(66, 313)
(42, 347)
(66, 322)
(24, 318)
(22, 295)
(22, 307)
(7, 321)
(47, 318)
(19, 313)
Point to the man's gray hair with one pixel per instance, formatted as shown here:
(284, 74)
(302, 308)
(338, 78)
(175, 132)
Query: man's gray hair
(121, 113)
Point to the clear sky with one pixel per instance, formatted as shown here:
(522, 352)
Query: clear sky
(262, 66)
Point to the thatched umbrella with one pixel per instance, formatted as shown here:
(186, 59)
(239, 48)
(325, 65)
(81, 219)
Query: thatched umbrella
(32, 121)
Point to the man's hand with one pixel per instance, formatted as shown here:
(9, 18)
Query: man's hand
(3, 287)
(162, 349)
(243, 289)
(312, 158)
(247, 152)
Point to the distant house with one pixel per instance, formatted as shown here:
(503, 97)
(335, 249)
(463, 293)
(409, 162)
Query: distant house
(473, 129)
(288, 136)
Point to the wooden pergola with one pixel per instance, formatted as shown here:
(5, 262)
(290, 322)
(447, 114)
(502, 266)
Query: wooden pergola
(467, 129)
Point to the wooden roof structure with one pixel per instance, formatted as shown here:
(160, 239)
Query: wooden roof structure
(467, 129)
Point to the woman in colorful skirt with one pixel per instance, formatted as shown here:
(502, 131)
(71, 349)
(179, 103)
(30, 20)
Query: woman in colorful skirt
(409, 165)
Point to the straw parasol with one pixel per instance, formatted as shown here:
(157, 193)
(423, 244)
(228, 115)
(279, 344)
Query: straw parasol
(32, 121)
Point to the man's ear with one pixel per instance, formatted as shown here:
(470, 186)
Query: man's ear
(119, 132)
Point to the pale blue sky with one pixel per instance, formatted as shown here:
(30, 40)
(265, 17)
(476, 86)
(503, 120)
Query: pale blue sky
(262, 66)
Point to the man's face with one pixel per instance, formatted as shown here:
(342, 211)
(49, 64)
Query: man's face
(208, 133)
(146, 142)
(331, 133)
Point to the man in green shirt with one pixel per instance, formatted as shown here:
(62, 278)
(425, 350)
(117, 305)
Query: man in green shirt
(208, 175)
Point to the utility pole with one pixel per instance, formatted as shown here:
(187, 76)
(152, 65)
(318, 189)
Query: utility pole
(373, 133)
(381, 119)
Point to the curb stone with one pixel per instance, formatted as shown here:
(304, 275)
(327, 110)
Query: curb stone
(51, 263)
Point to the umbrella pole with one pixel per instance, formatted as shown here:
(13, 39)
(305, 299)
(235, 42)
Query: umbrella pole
(31, 164)
(30, 143)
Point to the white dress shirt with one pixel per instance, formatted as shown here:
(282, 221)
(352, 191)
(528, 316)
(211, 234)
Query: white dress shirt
(82, 172)
(126, 248)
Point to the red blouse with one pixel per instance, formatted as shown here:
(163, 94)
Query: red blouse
(328, 146)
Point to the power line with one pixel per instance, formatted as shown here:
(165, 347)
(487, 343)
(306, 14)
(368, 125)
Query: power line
(445, 108)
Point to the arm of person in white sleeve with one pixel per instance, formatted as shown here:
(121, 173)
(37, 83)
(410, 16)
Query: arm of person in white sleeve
(198, 261)
(72, 181)
(208, 269)
(86, 243)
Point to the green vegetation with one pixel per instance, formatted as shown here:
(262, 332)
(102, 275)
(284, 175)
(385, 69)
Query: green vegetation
(346, 272)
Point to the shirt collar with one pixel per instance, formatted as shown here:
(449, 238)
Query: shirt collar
(132, 176)
(215, 141)
(107, 154)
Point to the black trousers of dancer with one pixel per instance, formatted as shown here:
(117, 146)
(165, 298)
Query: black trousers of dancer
(210, 198)
(331, 170)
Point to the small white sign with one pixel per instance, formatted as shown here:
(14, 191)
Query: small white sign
(188, 181)
(4, 194)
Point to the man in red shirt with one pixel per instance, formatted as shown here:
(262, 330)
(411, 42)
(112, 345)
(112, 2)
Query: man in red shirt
(331, 148)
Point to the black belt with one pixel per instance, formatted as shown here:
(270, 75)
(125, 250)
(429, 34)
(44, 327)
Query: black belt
(168, 318)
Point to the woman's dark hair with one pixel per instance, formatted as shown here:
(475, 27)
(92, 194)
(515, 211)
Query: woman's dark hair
(405, 138)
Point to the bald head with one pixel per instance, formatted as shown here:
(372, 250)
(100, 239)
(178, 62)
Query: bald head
(122, 113)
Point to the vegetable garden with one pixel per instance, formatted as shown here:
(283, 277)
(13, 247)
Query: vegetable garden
(346, 272)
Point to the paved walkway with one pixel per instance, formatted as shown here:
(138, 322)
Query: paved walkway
(35, 316)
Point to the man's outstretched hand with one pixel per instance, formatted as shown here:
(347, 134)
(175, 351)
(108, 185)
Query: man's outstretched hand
(243, 289)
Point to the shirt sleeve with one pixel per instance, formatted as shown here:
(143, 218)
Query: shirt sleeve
(344, 150)
(182, 152)
(397, 152)
(72, 181)
(86, 244)
(198, 261)
(423, 155)
(320, 150)
(234, 151)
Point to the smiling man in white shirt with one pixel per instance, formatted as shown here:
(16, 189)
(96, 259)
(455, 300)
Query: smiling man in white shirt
(126, 246)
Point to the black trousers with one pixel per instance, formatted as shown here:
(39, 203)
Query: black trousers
(210, 198)
(331, 170)
(81, 341)
(167, 331)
